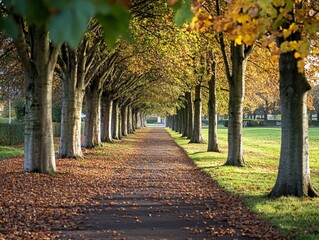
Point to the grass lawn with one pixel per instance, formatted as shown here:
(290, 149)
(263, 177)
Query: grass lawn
(12, 151)
(295, 218)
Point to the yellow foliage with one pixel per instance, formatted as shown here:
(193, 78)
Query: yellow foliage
(278, 3)
(301, 65)
(297, 55)
(238, 40)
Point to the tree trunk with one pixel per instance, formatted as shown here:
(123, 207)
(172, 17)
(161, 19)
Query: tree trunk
(72, 100)
(39, 153)
(115, 120)
(190, 115)
(294, 172)
(129, 120)
(124, 114)
(197, 132)
(266, 110)
(236, 98)
(106, 118)
(212, 112)
(92, 131)
(186, 120)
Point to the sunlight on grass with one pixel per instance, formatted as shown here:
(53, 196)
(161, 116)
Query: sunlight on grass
(6, 152)
(295, 218)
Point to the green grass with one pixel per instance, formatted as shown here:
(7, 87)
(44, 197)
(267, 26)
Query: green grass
(6, 152)
(295, 218)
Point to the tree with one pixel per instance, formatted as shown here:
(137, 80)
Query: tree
(30, 23)
(38, 58)
(77, 68)
(281, 20)
(212, 107)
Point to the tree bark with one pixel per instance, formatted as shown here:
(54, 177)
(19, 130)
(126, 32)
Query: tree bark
(197, 132)
(129, 120)
(212, 111)
(236, 98)
(294, 171)
(124, 115)
(190, 115)
(185, 124)
(72, 101)
(38, 60)
(106, 118)
(92, 131)
(115, 120)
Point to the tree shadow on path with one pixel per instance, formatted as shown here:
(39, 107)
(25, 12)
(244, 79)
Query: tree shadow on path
(158, 193)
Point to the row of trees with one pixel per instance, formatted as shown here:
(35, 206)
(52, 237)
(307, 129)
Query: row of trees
(239, 28)
(165, 69)
(119, 84)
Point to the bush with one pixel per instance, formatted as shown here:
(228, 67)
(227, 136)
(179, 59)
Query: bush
(250, 123)
(314, 123)
(56, 129)
(151, 120)
(11, 134)
(19, 107)
(205, 122)
(56, 113)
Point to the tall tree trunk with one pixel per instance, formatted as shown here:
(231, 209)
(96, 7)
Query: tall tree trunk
(115, 120)
(294, 172)
(266, 110)
(129, 120)
(38, 67)
(212, 111)
(236, 98)
(72, 100)
(190, 115)
(185, 121)
(106, 118)
(197, 132)
(124, 115)
(143, 120)
(92, 131)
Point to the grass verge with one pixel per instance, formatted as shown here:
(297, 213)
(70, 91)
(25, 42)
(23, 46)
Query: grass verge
(6, 152)
(295, 218)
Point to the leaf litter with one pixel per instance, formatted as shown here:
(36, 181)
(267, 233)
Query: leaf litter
(136, 181)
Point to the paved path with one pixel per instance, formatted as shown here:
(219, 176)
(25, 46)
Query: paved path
(159, 194)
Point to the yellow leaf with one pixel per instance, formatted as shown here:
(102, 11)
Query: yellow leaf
(242, 18)
(238, 40)
(274, 58)
(286, 33)
(278, 3)
(301, 65)
(297, 55)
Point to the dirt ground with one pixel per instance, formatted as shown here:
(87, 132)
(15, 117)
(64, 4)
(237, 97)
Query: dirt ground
(144, 187)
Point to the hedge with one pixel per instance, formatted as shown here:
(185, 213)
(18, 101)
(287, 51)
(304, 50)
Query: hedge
(268, 123)
(11, 134)
(151, 120)
(257, 123)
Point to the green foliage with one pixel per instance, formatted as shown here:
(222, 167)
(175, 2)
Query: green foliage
(56, 129)
(115, 24)
(19, 107)
(56, 113)
(11, 134)
(74, 17)
(294, 217)
(184, 13)
(67, 20)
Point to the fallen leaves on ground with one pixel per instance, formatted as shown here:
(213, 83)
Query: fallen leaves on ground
(41, 206)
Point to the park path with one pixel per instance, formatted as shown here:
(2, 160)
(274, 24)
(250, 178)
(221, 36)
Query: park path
(158, 193)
